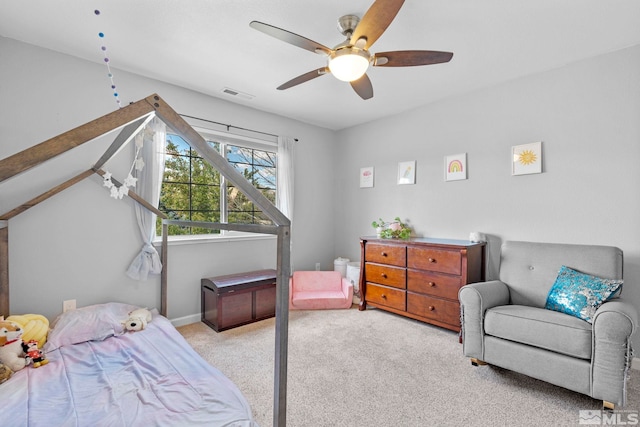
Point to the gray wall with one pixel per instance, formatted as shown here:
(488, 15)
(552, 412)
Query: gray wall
(79, 243)
(587, 115)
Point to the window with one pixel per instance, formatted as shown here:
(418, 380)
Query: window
(193, 190)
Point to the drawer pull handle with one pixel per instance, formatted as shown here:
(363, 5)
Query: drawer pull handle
(384, 254)
(432, 284)
(432, 260)
(383, 296)
(431, 308)
(384, 275)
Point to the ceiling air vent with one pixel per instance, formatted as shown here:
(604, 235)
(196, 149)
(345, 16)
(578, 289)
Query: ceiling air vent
(237, 93)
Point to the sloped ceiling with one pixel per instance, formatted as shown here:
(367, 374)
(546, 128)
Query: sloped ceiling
(207, 45)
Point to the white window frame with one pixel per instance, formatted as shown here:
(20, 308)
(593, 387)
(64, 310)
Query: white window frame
(225, 138)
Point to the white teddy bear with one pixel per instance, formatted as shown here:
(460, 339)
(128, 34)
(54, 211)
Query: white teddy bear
(137, 320)
(11, 352)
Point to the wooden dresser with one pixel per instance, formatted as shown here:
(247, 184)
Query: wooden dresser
(420, 277)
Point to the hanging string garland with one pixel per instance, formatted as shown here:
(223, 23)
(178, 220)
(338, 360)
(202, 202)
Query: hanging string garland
(130, 182)
(103, 48)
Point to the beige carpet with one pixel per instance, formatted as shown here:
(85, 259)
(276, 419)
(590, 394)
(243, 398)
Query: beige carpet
(372, 368)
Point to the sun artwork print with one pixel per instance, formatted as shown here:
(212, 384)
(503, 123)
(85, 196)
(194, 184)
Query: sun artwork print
(527, 159)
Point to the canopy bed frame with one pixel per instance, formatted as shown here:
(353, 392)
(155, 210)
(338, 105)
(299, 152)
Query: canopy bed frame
(132, 119)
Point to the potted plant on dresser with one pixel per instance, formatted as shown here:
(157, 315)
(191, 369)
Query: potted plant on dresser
(395, 229)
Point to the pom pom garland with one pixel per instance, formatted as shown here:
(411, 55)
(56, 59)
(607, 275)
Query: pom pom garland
(106, 60)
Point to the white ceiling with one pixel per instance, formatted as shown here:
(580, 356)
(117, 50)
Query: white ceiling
(207, 45)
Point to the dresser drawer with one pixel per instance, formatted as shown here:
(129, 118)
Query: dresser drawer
(386, 275)
(386, 254)
(440, 260)
(434, 284)
(383, 295)
(434, 308)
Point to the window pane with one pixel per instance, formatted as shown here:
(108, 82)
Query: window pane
(191, 186)
(239, 154)
(236, 200)
(176, 168)
(264, 158)
(203, 173)
(241, 217)
(178, 230)
(177, 145)
(270, 194)
(264, 177)
(205, 197)
(215, 145)
(261, 218)
(206, 216)
(174, 196)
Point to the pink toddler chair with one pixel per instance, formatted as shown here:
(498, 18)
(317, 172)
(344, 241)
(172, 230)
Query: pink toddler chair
(315, 290)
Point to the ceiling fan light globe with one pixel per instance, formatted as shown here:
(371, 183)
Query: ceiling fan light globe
(349, 64)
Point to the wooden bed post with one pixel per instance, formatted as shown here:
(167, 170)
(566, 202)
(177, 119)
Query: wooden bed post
(4, 268)
(282, 327)
(164, 256)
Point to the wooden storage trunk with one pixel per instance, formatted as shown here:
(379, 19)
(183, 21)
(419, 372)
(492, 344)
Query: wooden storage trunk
(237, 299)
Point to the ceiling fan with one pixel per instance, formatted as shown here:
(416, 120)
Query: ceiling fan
(349, 60)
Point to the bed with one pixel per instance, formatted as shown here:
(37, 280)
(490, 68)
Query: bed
(98, 375)
(129, 120)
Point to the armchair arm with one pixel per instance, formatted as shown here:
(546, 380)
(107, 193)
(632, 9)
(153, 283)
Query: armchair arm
(475, 299)
(613, 324)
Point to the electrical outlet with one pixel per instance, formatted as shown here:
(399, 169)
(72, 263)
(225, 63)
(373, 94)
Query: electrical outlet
(69, 304)
(317, 266)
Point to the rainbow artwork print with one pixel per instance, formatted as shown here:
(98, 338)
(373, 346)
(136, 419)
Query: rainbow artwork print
(455, 167)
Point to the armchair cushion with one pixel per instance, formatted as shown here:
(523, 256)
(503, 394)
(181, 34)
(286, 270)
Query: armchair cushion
(580, 294)
(546, 329)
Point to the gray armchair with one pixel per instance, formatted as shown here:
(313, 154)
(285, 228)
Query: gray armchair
(504, 322)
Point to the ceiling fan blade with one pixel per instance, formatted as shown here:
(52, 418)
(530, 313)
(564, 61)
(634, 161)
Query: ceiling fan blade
(363, 87)
(304, 78)
(375, 21)
(409, 58)
(291, 38)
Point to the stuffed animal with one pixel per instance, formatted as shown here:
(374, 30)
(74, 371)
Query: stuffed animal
(5, 373)
(34, 327)
(11, 353)
(137, 320)
(36, 355)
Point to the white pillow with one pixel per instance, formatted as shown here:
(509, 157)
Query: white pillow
(91, 323)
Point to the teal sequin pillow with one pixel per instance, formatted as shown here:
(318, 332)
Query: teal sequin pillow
(580, 294)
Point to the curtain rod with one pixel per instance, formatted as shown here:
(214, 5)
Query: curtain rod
(232, 126)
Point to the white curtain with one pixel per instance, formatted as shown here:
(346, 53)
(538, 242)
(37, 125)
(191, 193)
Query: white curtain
(285, 171)
(286, 149)
(148, 187)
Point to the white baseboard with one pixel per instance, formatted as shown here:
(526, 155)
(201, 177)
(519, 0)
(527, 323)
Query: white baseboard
(194, 318)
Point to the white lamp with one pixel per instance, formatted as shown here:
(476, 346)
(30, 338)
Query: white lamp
(349, 63)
